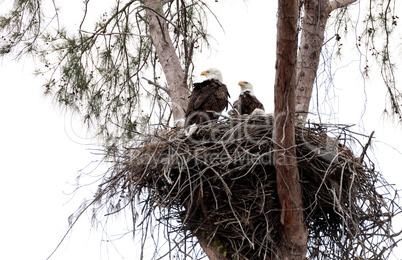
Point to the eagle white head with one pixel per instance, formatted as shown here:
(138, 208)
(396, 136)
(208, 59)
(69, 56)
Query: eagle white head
(246, 86)
(213, 74)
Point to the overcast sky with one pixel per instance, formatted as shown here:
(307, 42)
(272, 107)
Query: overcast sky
(43, 149)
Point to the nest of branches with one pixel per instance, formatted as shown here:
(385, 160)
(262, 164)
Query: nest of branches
(220, 184)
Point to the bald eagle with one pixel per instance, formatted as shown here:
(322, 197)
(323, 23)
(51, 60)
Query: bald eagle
(247, 102)
(207, 97)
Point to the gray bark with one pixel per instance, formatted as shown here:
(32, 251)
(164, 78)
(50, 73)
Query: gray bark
(175, 77)
(312, 38)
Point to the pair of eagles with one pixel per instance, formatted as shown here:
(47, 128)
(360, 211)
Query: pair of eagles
(211, 96)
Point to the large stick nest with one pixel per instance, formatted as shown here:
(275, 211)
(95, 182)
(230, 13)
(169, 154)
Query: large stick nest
(220, 184)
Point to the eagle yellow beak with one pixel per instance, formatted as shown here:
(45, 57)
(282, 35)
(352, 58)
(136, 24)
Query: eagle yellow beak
(241, 83)
(204, 73)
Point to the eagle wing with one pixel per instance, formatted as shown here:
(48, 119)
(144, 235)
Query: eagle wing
(192, 98)
(222, 96)
(206, 91)
(247, 103)
(207, 95)
(210, 91)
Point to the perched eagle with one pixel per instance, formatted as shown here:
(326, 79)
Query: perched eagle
(207, 97)
(247, 102)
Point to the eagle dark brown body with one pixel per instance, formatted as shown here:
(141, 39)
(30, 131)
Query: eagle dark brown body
(247, 103)
(209, 95)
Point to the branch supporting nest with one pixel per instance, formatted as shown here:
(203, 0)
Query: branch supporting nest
(220, 183)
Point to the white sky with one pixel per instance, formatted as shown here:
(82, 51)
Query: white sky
(42, 153)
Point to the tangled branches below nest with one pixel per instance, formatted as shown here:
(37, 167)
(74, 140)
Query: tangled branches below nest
(220, 184)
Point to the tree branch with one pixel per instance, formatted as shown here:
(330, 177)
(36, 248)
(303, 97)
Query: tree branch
(166, 52)
(157, 85)
(361, 158)
(335, 4)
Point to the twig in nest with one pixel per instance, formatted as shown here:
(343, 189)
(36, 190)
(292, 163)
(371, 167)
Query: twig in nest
(361, 158)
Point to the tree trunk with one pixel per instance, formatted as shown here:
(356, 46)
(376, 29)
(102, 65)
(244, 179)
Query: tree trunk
(294, 233)
(315, 18)
(177, 83)
(168, 58)
(211, 250)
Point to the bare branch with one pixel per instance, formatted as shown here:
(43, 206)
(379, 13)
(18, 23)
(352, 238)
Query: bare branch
(361, 158)
(113, 33)
(157, 85)
(335, 4)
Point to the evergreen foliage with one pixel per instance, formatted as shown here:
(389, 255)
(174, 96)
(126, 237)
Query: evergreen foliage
(99, 73)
